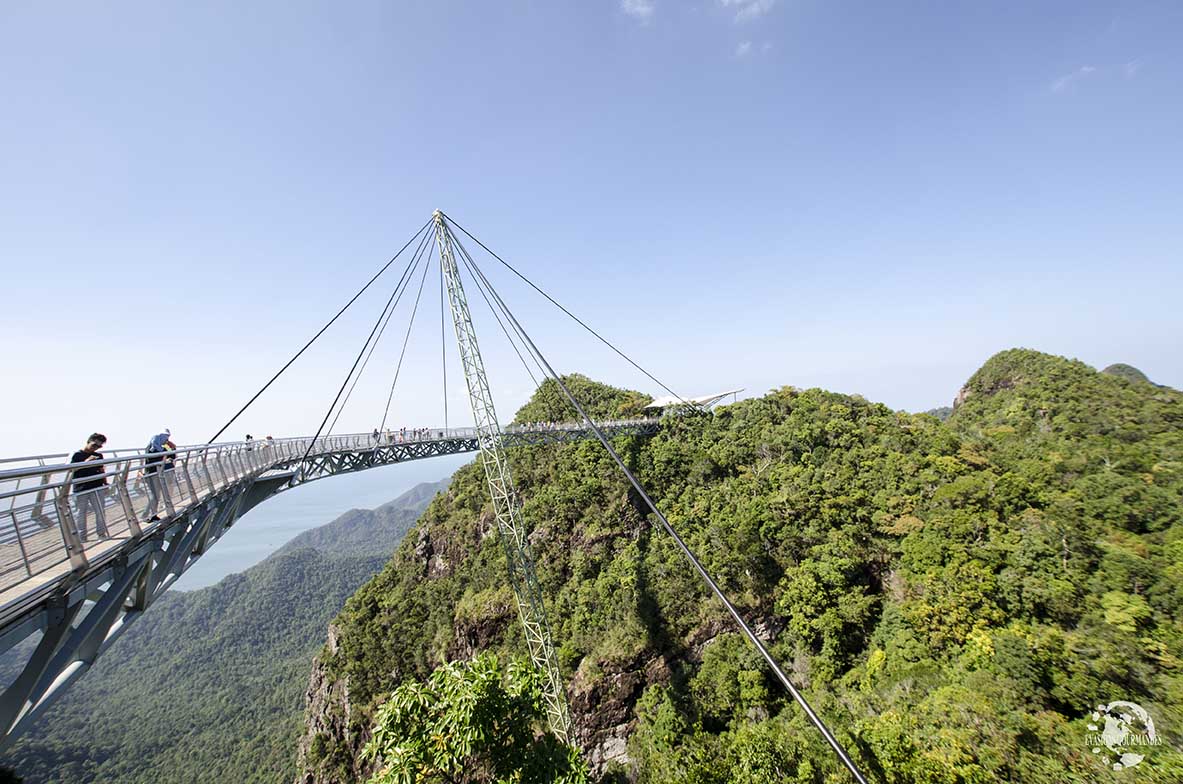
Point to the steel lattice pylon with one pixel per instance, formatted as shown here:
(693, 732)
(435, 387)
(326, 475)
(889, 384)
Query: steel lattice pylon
(506, 506)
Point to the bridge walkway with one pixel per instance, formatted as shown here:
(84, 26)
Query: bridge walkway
(75, 597)
(38, 519)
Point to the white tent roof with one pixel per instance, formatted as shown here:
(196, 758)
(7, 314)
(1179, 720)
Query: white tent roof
(703, 400)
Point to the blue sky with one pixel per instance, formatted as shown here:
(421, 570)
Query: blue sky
(871, 198)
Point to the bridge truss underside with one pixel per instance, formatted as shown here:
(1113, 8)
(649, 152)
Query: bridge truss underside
(81, 613)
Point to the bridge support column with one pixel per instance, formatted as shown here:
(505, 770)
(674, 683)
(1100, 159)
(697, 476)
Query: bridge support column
(506, 506)
(80, 647)
(17, 695)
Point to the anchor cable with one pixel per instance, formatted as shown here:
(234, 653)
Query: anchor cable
(493, 309)
(407, 337)
(340, 391)
(415, 259)
(443, 342)
(687, 552)
(318, 334)
(575, 318)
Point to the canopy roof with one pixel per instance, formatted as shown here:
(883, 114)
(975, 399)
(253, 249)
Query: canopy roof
(703, 400)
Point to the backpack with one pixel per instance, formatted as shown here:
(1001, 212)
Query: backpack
(150, 466)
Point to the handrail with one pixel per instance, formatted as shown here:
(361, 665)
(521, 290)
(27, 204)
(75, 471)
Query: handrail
(45, 518)
(123, 455)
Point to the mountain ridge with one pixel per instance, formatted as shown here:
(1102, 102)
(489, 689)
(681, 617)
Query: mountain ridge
(869, 547)
(369, 531)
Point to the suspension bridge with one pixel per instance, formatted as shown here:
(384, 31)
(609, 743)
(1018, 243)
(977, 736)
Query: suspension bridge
(81, 595)
(73, 595)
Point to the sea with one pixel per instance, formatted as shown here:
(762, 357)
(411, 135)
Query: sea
(273, 523)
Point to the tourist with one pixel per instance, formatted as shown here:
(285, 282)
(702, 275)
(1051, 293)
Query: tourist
(88, 493)
(158, 445)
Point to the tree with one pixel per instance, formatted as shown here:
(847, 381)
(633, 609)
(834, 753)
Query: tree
(470, 722)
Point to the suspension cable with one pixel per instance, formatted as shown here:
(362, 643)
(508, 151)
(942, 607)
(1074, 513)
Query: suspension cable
(443, 342)
(389, 314)
(318, 334)
(686, 551)
(328, 413)
(554, 302)
(398, 368)
(493, 309)
(483, 283)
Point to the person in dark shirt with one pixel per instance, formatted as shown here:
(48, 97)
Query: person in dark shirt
(90, 486)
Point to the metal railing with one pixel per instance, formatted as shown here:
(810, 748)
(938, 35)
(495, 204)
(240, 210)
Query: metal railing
(47, 524)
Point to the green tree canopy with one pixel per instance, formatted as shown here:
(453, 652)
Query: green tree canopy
(470, 722)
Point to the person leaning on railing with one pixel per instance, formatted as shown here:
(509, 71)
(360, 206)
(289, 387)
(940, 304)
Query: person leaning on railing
(158, 446)
(88, 485)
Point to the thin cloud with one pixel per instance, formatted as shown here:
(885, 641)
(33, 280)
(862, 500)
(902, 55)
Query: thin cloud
(639, 9)
(1068, 80)
(752, 49)
(746, 10)
(1131, 68)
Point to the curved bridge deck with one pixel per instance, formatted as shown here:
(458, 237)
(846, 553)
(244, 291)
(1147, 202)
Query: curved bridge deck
(80, 594)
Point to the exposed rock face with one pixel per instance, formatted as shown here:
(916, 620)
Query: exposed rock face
(602, 705)
(439, 553)
(962, 394)
(603, 693)
(433, 554)
(328, 716)
(474, 635)
(997, 386)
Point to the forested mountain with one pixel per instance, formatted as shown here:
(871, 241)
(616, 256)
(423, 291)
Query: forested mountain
(954, 597)
(942, 412)
(369, 531)
(1128, 372)
(208, 686)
